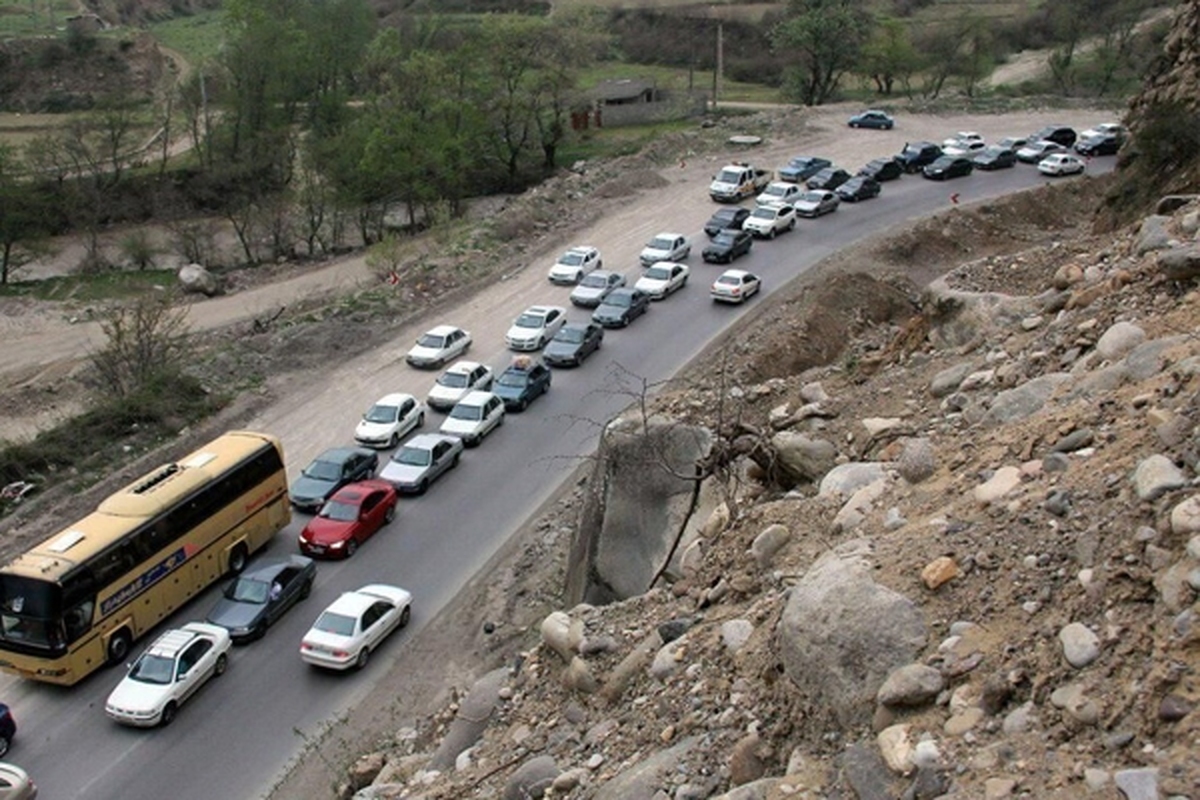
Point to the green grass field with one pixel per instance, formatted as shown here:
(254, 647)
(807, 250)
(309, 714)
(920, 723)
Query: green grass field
(197, 38)
(24, 18)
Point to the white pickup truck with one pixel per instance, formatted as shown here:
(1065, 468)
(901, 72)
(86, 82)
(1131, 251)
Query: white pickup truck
(736, 182)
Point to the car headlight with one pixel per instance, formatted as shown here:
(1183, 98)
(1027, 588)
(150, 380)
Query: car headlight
(336, 545)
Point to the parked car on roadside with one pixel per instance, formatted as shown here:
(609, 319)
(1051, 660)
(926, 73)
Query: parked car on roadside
(594, 287)
(250, 603)
(779, 193)
(534, 327)
(818, 202)
(665, 247)
(524, 381)
(801, 168)
(438, 345)
(1036, 150)
(916, 155)
(1061, 164)
(872, 118)
(1059, 134)
(828, 178)
(882, 169)
(663, 279)
(574, 264)
(945, 167)
(1101, 144)
(767, 221)
(456, 382)
(994, 157)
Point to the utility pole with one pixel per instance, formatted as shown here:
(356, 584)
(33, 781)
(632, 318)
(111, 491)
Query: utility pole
(720, 60)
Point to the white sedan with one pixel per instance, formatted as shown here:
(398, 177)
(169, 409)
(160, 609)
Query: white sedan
(536, 326)
(735, 286)
(779, 193)
(1061, 164)
(438, 345)
(767, 221)
(354, 625)
(474, 417)
(168, 673)
(386, 422)
(665, 247)
(664, 278)
(455, 383)
(574, 264)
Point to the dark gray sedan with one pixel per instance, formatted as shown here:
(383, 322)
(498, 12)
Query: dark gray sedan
(571, 345)
(621, 307)
(260, 595)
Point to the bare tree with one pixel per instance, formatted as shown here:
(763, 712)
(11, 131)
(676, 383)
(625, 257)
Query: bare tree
(147, 344)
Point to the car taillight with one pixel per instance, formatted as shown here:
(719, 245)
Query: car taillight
(340, 654)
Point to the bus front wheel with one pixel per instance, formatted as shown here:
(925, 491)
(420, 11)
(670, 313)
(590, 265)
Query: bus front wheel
(237, 559)
(118, 647)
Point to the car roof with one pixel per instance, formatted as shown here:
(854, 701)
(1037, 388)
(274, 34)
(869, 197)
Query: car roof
(623, 290)
(339, 453)
(352, 603)
(443, 330)
(476, 398)
(667, 235)
(734, 273)
(171, 642)
(585, 249)
(269, 569)
(543, 310)
(426, 441)
(394, 399)
(356, 491)
(463, 366)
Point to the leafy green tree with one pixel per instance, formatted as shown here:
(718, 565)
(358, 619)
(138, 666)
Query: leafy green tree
(824, 40)
(890, 56)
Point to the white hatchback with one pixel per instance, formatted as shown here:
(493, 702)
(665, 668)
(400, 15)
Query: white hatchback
(438, 345)
(354, 625)
(574, 264)
(474, 417)
(386, 422)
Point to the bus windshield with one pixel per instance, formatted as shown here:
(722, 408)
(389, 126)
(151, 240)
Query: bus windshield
(29, 611)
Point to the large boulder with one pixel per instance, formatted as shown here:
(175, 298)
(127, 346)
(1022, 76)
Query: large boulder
(195, 279)
(472, 719)
(841, 634)
(636, 517)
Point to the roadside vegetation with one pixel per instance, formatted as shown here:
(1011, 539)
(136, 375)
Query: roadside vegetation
(312, 127)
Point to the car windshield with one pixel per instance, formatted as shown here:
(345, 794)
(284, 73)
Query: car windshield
(153, 669)
(993, 151)
(658, 273)
(776, 191)
(339, 624)
(724, 239)
(660, 243)
(338, 511)
(913, 150)
(530, 321)
(724, 215)
(379, 413)
(412, 456)
(430, 340)
(570, 259)
(517, 379)
(621, 299)
(472, 413)
(800, 163)
(453, 380)
(248, 590)
(729, 176)
(573, 335)
(323, 471)
(594, 281)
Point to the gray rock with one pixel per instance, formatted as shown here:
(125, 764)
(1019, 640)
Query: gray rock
(1055, 462)
(1058, 503)
(531, 779)
(917, 460)
(813, 393)
(1024, 400)
(911, 685)
(1174, 707)
(195, 279)
(947, 381)
(672, 629)
(745, 764)
(643, 779)
(1119, 339)
(1079, 644)
(1137, 784)
(1021, 719)
(803, 458)
(841, 634)
(735, 633)
(846, 479)
(1153, 235)
(668, 660)
(1150, 358)
(471, 720)
(928, 784)
(1075, 440)
(1156, 475)
(1180, 263)
(869, 777)
(768, 543)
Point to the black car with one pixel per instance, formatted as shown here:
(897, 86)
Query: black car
(260, 595)
(994, 157)
(802, 167)
(727, 246)
(573, 343)
(1104, 144)
(828, 178)
(948, 167)
(860, 187)
(726, 219)
(882, 169)
(917, 155)
(8, 729)
(623, 306)
(522, 383)
(329, 472)
(1059, 134)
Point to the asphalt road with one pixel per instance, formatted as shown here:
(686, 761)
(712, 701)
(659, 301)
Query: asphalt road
(234, 738)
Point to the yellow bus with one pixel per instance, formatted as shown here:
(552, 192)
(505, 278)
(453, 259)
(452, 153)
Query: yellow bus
(79, 599)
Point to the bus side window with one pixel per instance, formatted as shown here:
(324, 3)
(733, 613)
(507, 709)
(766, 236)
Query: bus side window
(79, 619)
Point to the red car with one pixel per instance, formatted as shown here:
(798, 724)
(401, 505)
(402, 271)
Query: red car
(349, 518)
